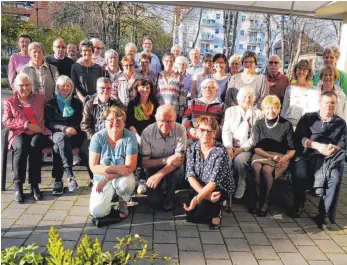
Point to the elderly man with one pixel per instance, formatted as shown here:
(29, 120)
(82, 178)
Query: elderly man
(163, 148)
(145, 71)
(208, 105)
(72, 51)
(130, 49)
(277, 82)
(176, 50)
(111, 68)
(59, 58)
(320, 140)
(147, 46)
(195, 66)
(180, 66)
(99, 48)
(93, 110)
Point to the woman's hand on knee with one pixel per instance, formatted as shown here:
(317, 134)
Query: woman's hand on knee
(214, 196)
(100, 186)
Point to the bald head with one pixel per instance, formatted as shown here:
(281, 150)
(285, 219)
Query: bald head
(166, 117)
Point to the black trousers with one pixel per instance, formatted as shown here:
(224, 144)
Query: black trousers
(62, 152)
(85, 156)
(26, 145)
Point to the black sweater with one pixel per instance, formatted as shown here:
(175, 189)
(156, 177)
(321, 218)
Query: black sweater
(84, 78)
(64, 65)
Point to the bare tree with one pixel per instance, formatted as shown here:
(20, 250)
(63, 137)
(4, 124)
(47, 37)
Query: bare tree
(228, 17)
(197, 33)
(282, 44)
(235, 22)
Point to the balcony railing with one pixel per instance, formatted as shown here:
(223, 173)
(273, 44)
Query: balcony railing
(207, 36)
(208, 22)
(203, 51)
(254, 40)
(255, 26)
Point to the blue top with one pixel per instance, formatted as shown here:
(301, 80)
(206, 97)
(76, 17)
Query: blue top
(112, 156)
(155, 62)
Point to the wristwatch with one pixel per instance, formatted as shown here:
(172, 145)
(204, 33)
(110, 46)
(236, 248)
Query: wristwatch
(163, 160)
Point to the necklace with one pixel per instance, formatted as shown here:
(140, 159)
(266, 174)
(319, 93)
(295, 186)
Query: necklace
(270, 127)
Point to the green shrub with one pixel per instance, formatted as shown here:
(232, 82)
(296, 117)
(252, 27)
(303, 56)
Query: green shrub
(5, 60)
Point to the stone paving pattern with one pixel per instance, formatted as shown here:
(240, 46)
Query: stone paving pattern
(242, 239)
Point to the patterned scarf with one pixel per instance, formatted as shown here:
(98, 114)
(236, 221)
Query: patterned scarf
(64, 106)
(143, 112)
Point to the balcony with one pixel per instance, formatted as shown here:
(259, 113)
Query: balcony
(254, 40)
(255, 27)
(204, 51)
(208, 22)
(206, 36)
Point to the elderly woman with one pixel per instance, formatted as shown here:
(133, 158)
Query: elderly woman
(207, 63)
(208, 173)
(300, 97)
(235, 65)
(330, 57)
(250, 78)
(180, 66)
(274, 147)
(112, 159)
(236, 134)
(99, 48)
(63, 115)
(92, 120)
(208, 105)
(17, 60)
(328, 76)
(23, 115)
(85, 72)
(145, 71)
(43, 75)
(220, 61)
(111, 68)
(142, 109)
(170, 88)
(121, 87)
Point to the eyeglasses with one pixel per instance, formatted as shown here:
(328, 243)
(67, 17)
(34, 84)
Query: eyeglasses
(273, 62)
(60, 47)
(205, 131)
(128, 65)
(249, 62)
(105, 88)
(302, 70)
(115, 119)
(147, 43)
(99, 48)
(144, 62)
(235, 64)
(166, 121)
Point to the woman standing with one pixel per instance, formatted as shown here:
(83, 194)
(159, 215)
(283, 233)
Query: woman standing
(111, 68)
(220, 61)
(207, 63)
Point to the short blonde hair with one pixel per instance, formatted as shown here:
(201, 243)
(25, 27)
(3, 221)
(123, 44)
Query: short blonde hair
(235, 58)
(335, 50)
(116, 111)
(243, 91)
(331, 69)
(271, 100)
(209, 120)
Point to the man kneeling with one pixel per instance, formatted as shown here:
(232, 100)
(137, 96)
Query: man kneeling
(320, 140)
(112, 159)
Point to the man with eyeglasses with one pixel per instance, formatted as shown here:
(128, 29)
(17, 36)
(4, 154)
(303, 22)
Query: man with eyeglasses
(99, 48)
(147, 46)
(277, 82)
(59, 58)
(145, 71)
(163, 146)
(195, 65)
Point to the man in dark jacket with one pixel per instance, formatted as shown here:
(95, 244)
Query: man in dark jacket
(320, 140)
(93, 111)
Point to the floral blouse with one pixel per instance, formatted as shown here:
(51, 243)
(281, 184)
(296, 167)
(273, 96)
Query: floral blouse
(215, 168)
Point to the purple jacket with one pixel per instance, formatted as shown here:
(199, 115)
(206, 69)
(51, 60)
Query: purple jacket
(14, 66)
(14, 116)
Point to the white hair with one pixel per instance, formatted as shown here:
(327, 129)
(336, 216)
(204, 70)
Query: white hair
(235, 58)
(193, 50)
(36, 44)
(63, 79)
(129, 44)
(96, 40)
(208, 80)
(109, 53)
(164, 109)
(176, 46)
(243, 91)
(21, 76)
(180, 59)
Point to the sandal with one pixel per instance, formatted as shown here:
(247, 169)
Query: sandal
(123, 209)
(216, 226)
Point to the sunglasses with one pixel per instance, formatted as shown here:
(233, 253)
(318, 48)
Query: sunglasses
(274, 62)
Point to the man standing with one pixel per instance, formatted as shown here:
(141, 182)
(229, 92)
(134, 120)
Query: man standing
(130, 49)
(277, 82)
(59, 59)
(147, 46)
(195, 66)
(320, 143)
(163, 146)
(72, 51)
(176, 50)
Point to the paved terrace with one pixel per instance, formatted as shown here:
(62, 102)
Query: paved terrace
(243, 238)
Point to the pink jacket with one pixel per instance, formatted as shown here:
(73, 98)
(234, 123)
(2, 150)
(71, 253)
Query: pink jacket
(15, 118)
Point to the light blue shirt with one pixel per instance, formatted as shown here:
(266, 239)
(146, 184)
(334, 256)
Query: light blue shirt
(155, 62)
(112, 155)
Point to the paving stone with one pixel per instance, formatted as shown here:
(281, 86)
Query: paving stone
(267, 222)
(319, 262)
(91, 229)
(142, 230)
(142, 218)
(70, 234)
(161, 215)
(218, 262)
(283, 245)
(204, 228)
(250, 227)
(45, 225)
(182, 221)
(270, 262)
(187, 231)
(337, 259)
(189, 258)
(292, 258)
(292, 228)
(10, 242)
(215, 252)
(149, 242)
(229, 221)
(25, 205)
(6, 197)
(62, 205)
(12, 213)
(108, 246)
(29, 220)
(244, 217)
(74, 221)
(165, 237)
(341, 240)
(231, 232)
(258, 239)
(301, 240)
(165, 225)
(311, 253)
(328, 246)
(169, 250)
(40, 238)
(264, 252)
(211, 238)
(242, 258)
(306, 223)
(19, 232)
(37, 209)
(124, 224)
(275, 233)
(82, 201)
(283, 218)
(316, 233)
(57, 215)
(79, 210)
(236, 244)
(6, 223)
(189, 244)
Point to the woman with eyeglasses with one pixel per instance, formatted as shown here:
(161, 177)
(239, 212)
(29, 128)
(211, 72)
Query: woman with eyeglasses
(235, 65)
(300, 97)
(99, 49)
(248, 77)
(222, 78)
(209, 174)
(207, 64)
(112, 158)
(122, 85)
(145, 70)
(85, 72)
(142, 109)
(17, 60)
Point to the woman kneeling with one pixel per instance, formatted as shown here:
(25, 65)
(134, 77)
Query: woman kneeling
(112, 159)
(209, 174)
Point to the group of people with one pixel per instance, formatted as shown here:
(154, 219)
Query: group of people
(190, 123)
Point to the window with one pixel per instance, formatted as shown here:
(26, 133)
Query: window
(242, 33)
(217, 31)
(215, 46)
(248, 47)
(243, 18)
(217, 16)
(241, 46)
(204, 21)
(254, 48)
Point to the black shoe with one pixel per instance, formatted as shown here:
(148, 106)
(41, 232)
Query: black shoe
(19, 196)
(112, 218)
(323, 222)
(58, 188)
(168, 205)
(91, 183)
(35, 191)
(296, 211)
(216, 226)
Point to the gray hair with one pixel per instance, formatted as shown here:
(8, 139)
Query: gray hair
(235, 58)
(63, 79)
(36, 44)
(176, 46)
(277, 57)
(109, 53)
(129, 44)
(59, 39)
(243, 91)
(193, 50)
(208, 80)
(96, 40)
(163, 109)
(180, 59)
(22, 76)
(103, 80)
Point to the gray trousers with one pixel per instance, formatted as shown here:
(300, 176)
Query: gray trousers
(241, 167)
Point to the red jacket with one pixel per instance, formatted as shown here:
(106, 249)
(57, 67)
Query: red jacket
(15, 118)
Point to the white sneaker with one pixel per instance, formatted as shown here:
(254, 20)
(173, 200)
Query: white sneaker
(240, 191)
